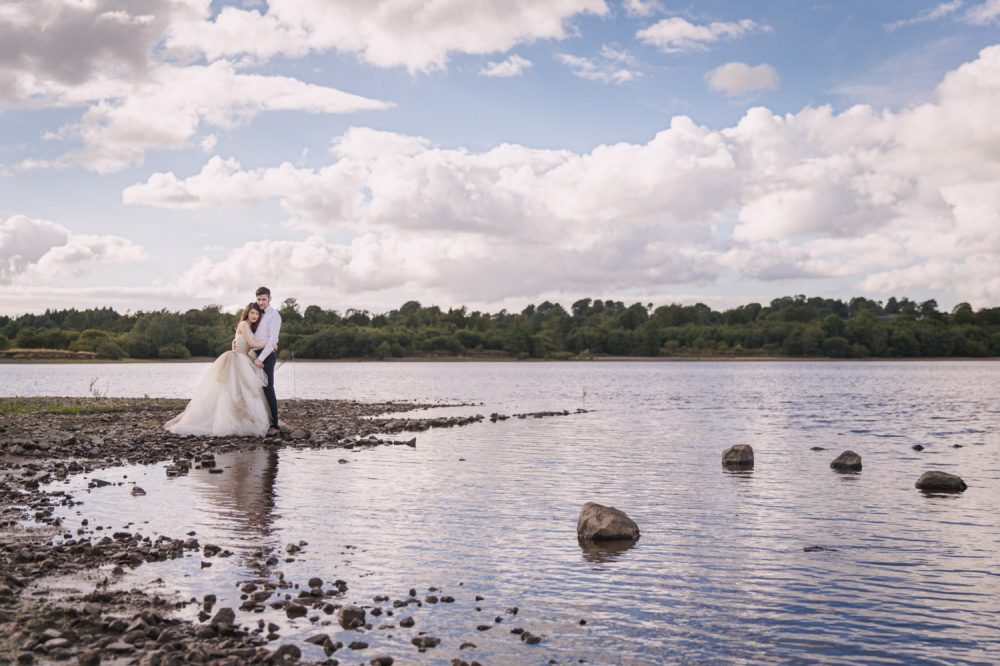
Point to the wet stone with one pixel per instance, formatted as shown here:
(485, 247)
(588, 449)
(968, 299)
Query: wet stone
(738, 455)
(941, 482)
(89, 658)
(295, 610)
(605, 523)
(318, 639)
(848, 461)
(120, 646)
(226, 617)
(351, 616)
(287, 653)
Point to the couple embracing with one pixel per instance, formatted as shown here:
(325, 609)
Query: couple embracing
(236, 396)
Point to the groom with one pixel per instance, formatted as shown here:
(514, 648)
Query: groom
(267, 334)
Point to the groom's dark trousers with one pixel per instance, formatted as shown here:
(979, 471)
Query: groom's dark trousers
(272, 399)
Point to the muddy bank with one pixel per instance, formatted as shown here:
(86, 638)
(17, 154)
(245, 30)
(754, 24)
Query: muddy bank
(94, 621)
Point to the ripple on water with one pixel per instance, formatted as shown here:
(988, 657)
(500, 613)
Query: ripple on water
(720, 573)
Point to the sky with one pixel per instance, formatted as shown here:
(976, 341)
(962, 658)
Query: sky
(494, 153)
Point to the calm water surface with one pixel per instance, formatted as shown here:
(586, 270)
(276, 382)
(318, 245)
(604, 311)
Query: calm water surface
(719, 575)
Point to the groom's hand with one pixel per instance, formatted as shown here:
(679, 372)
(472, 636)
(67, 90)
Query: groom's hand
(259, 363)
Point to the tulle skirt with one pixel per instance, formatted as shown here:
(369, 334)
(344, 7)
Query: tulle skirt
(229, 401)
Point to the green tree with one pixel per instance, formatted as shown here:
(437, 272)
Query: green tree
(962, 314)
(173, 350)
(42, 338)
(837, 347)
(89, 340)
(109, 350)
(152, 331)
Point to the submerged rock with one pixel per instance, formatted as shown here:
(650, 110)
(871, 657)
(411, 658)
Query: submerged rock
(605, 523)
(941, 481)
(351, 616)
(739, 455)
(847, 461)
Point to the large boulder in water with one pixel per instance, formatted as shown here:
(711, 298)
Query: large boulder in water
(848, 461)
(605, 523)
(941, 482)
(740, 455)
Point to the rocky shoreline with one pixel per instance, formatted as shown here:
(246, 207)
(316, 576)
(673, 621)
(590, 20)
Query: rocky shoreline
(43, 440)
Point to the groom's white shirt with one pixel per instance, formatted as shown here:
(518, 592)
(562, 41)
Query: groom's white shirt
(267, 332)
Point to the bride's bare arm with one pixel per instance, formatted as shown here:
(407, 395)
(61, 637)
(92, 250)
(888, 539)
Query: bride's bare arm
(248, 335)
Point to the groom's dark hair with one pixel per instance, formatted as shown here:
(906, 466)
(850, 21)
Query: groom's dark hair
(263, 291)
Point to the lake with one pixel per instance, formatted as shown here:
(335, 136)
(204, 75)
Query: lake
(720, 574)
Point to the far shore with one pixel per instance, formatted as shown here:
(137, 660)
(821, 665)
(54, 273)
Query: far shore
(511, 359)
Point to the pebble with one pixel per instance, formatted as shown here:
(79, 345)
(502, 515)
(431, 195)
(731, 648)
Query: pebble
(351, 617)
(295, 610)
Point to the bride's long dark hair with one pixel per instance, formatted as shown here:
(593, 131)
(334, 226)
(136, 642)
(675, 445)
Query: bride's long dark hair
(246, 316)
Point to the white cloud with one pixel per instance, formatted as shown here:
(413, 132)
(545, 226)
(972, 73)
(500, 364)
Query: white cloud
(512, 66)
(927, 16)
(894, 202)
(49, 47)
(615, 54)
(416, 35)
(641, 7)
(34, 252)
(676, 35)
(737, 78)
(608, 67)
(986, 13)
(167, 109)
(104, 56)
(150, 75)
(208, 143)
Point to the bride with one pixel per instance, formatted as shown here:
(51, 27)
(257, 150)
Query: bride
(230, 399)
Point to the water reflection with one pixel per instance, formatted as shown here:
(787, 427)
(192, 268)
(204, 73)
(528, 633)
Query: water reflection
(742, 472)
(601, 552)
(241, 502)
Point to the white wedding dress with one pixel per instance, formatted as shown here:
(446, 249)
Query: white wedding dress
(230, 399)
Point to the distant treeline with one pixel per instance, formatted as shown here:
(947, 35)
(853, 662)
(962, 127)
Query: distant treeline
(789, 326)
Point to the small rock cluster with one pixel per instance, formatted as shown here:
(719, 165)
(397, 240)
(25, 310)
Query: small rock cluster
(494, 417)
